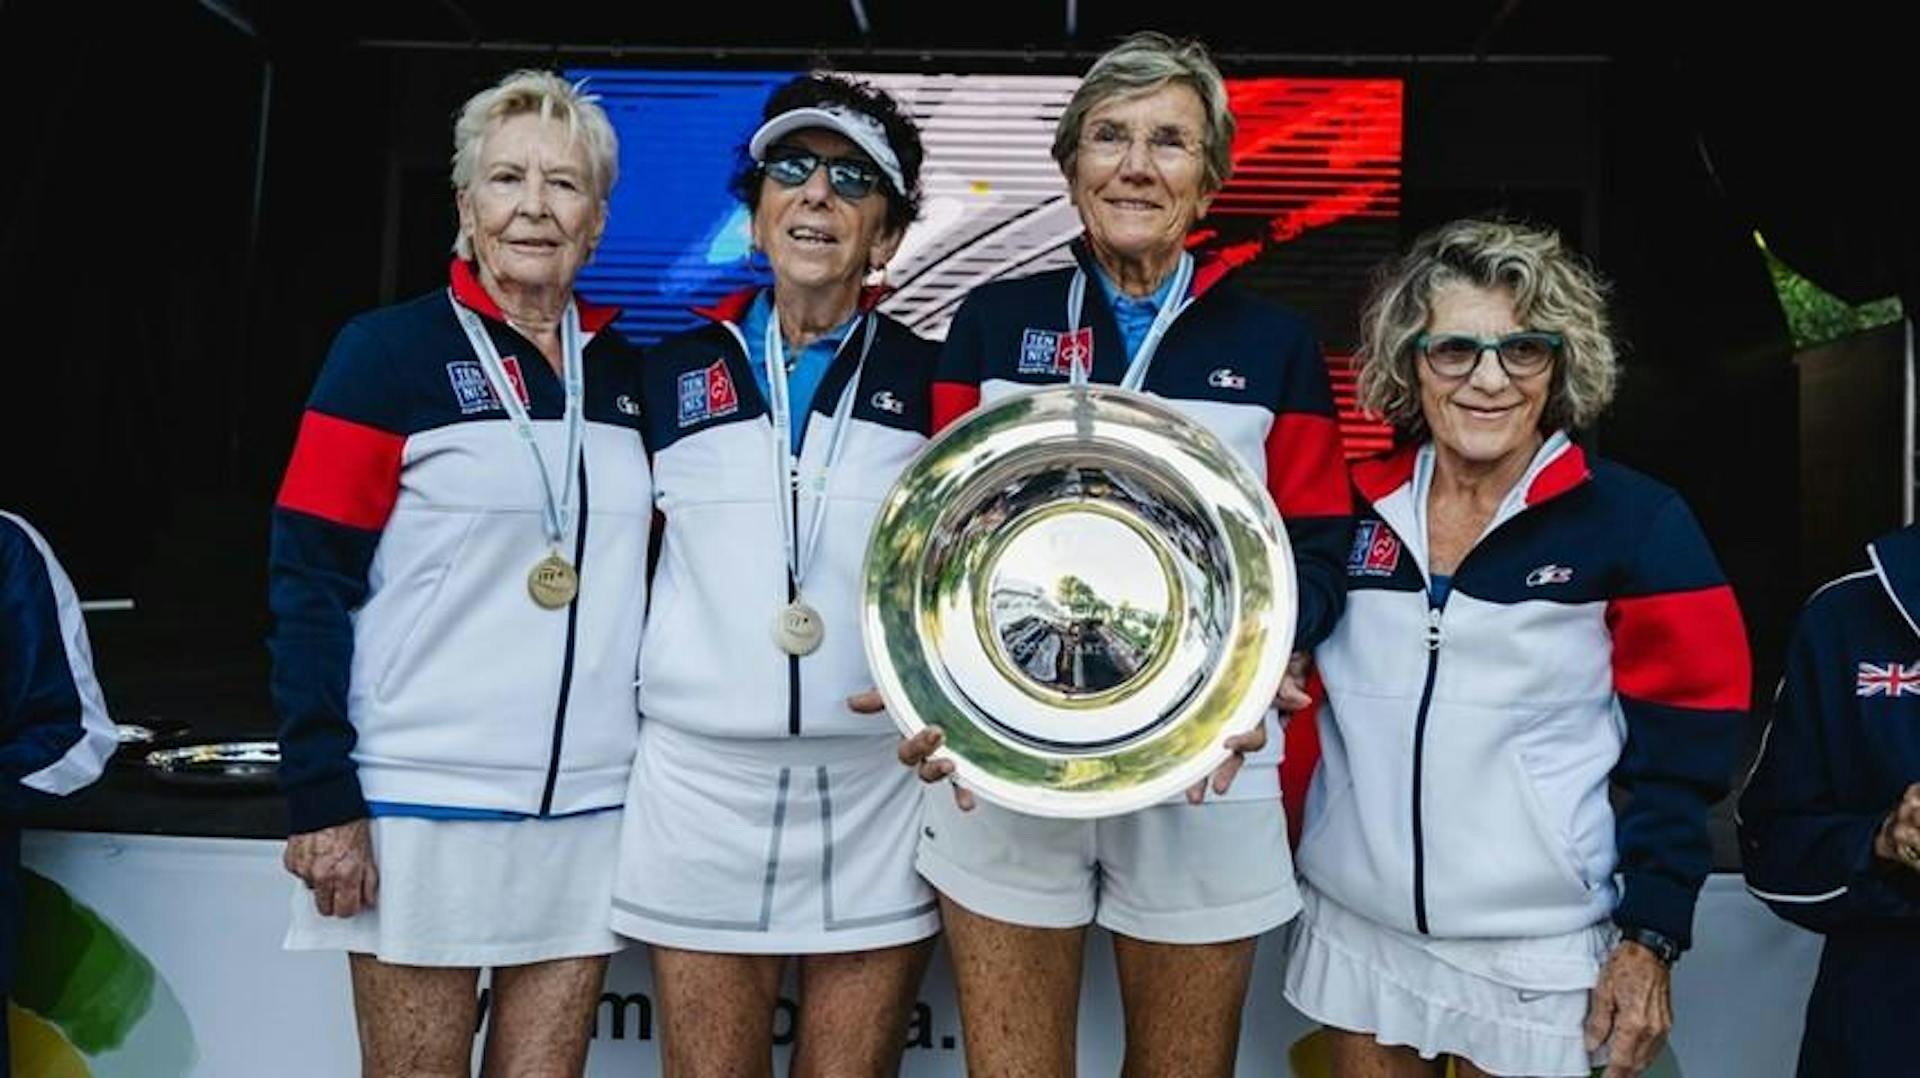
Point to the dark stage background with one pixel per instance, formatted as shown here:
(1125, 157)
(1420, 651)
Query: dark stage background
(196, 195)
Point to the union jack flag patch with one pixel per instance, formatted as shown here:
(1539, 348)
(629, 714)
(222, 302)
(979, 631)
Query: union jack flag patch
(1887, 679)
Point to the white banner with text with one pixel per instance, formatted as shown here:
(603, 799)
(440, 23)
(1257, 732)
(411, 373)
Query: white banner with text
(156, 956)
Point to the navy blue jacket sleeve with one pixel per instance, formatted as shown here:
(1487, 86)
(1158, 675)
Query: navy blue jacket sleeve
(1807, 819)
(1307, 477)
(55, 736)
(1683, 677)
(340, 488)
(956, 379)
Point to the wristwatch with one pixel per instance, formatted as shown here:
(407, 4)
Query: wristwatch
(1663, 946)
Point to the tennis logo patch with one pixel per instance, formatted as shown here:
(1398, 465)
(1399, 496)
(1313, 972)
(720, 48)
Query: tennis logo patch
(471, 390)
(1043, 351)
(707, 393)
(1376, 550)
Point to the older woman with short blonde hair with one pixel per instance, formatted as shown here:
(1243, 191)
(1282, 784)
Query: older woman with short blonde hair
(457, 624)
(1526, 624)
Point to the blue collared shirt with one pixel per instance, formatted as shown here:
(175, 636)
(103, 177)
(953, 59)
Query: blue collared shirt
(804, 371)
(1133, 314)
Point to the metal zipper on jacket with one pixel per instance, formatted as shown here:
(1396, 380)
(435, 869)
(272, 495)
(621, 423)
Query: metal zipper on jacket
(793, 492)
(793, 661)
(566, 664)
(1434, 638)
(1419, 752)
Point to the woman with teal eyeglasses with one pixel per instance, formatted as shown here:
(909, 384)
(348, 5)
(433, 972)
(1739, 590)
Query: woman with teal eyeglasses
(766, 821)
(1525, 624)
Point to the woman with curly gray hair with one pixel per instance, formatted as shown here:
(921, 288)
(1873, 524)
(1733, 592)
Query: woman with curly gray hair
(1525, 624)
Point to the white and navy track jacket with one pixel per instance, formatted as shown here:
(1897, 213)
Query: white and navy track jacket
(410, 666)
(55, 736)
(710, 665)
(1466, 751)
(1843, 747)
(1246, 369)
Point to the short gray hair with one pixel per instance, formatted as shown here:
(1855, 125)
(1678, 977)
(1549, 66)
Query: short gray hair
(551, 98)
(1139, 65)
(1553, 289)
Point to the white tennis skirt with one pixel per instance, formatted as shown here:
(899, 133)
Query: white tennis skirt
(474, 893)
(797, 845)
(1509, 1006)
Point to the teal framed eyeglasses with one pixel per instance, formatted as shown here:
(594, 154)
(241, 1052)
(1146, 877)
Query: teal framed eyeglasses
(1521, 355)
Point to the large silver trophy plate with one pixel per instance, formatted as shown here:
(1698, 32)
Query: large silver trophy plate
(1087, 592)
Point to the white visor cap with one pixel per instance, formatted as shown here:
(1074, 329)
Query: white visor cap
(860, 129)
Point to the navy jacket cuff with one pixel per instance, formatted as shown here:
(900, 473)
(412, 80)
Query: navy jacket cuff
(327, 803)
(1658, 903)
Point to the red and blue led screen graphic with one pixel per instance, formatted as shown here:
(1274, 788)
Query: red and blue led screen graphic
(1311, 207)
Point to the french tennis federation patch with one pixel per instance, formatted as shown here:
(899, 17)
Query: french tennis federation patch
(707, 393)
(1376, 550)
(1045, 351)
(471, 390)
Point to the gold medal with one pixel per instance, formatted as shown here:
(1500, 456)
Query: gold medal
(553, 583)
(797, 629)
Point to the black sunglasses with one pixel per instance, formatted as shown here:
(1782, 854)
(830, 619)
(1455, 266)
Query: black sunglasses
(850, 177)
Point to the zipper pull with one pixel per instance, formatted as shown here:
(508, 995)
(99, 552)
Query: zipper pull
(1433, 628)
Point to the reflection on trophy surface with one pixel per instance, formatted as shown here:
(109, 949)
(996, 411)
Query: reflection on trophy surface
(1086, 591)
(1075, 639)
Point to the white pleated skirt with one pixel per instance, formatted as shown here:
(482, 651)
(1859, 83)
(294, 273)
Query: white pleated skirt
(477, 893)
(1509, 1006)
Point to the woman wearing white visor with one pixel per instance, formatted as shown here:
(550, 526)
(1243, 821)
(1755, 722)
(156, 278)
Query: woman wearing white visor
(766, 821)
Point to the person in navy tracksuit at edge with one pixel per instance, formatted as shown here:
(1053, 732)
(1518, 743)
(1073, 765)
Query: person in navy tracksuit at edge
(54, 733)
(1830, 819)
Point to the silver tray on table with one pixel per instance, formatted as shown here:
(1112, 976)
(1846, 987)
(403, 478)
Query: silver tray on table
(219, 764)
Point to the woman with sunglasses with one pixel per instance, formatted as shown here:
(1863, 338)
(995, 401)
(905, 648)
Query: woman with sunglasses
(1525, 624)
(765, 820)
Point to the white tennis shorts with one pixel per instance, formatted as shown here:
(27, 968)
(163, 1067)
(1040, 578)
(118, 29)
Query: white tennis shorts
(1168, 873)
